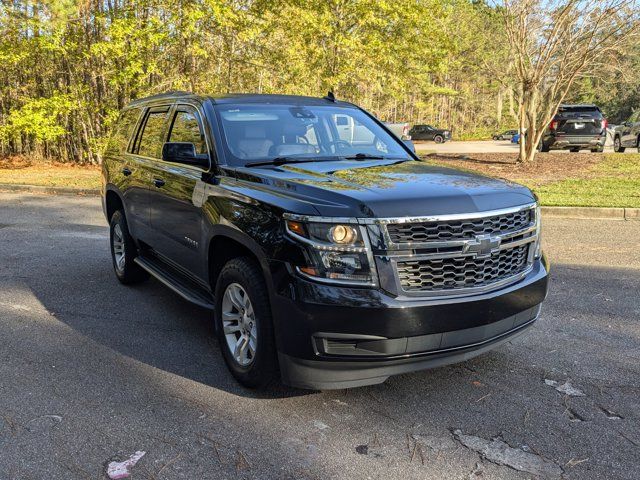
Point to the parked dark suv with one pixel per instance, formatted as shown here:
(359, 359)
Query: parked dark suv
(427, 132)
(331, 263)
(575, 128)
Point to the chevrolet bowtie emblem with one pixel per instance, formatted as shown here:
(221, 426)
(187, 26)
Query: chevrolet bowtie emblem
(482, 245)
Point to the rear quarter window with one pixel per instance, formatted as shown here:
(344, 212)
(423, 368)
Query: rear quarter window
(124, 128)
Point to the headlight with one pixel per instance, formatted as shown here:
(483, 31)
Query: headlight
(538, 248)
(336, 252)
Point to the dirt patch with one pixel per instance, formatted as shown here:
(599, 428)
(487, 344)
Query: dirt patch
(546, 168)
(17, 162)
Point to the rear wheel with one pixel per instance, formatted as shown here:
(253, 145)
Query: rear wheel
(244, 324)
(597, 150)
(438, 139)
(544, 148)
(574, 150)
(617, 145)
(124, 251)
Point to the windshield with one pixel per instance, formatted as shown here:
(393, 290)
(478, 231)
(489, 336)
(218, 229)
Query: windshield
(264, 132)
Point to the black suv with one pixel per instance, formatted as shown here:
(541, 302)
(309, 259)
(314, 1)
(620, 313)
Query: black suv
(330, 262)
(427, 132)
(575, 127)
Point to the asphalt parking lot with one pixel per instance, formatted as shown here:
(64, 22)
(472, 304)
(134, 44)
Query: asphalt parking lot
(92, 372)
(481, 146)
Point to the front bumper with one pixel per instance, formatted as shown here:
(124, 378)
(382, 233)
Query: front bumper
(336, 337)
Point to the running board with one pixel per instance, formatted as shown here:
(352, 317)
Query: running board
(178, 283)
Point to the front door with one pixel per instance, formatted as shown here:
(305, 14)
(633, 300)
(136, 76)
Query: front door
(176, 198)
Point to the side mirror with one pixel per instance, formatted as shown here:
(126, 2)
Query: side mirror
(410, 144)
(183, 152)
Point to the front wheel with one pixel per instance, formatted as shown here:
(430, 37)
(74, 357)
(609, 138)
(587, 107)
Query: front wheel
(574, 150)
(244, 325)
(617, 145)
(597, 150)
(438, 139)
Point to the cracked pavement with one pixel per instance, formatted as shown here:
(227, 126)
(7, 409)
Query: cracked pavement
(92, 372)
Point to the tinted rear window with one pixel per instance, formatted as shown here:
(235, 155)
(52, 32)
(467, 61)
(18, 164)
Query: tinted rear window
(577, 110)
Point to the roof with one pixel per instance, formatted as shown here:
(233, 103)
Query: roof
(578, 105)
(239, 98)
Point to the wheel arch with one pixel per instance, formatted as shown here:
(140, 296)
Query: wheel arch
(226, 244)
(112, 202)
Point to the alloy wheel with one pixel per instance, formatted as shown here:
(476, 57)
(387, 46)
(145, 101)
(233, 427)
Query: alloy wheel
(239, 324)
(118, 247)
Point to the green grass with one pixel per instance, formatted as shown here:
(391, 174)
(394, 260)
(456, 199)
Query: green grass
(598, 192)
(615, 183)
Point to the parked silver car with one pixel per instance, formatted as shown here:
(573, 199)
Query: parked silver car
(627, 135)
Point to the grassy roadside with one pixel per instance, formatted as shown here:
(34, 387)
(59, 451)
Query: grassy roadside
(51, 175)
(566, 179)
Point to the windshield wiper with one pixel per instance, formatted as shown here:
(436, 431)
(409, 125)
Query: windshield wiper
(281, 161)
(366, 156)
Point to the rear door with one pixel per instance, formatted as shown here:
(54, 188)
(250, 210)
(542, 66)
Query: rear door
(417, 132)
(145, 153)
(176, 196)
(122, 169)
(578, 121)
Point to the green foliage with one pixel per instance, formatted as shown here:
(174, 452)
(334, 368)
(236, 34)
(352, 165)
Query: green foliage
(39, 118)
(69, 66)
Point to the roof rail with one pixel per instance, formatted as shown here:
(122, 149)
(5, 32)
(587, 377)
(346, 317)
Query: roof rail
(158, 96)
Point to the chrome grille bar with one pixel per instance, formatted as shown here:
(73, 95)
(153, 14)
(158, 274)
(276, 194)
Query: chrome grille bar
(478, 252)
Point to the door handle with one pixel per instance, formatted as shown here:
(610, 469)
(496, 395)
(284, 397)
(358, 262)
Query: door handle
(126, 172)
(158, 182)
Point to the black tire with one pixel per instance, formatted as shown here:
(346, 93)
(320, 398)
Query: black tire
(438, 139)
(544, 148)
(127, 271)
(574, 150)
(617, 145)
(263, 368)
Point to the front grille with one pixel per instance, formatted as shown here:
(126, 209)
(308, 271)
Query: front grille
(444, 274)
(459, 229)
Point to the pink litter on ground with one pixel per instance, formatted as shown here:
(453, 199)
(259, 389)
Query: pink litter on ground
(117, 470)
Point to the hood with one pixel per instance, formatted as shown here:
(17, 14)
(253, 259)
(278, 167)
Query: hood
(385, 188)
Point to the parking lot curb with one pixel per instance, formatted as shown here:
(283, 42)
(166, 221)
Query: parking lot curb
(614, 213)
(48, 190)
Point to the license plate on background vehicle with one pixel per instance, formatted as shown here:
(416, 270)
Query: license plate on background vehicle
(578, 125)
